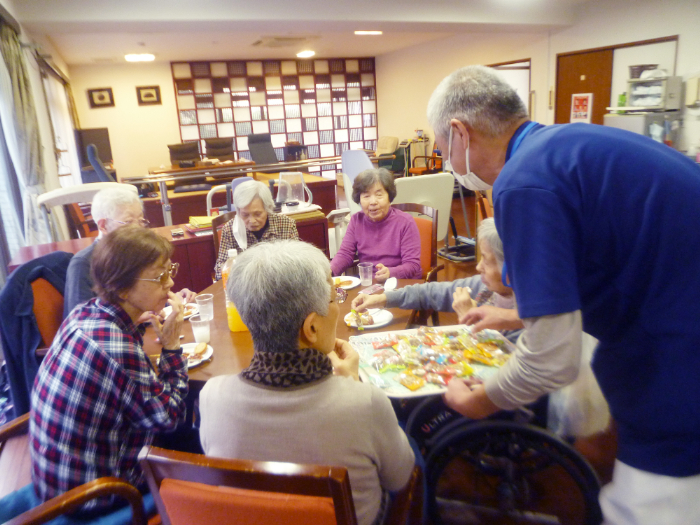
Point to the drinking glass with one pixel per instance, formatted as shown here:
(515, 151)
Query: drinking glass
(205, 302)
(365, 273)
(200, 329)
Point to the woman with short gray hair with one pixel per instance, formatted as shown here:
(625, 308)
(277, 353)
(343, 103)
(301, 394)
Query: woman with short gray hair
(288, 405)
(254, 222)
(379, 234)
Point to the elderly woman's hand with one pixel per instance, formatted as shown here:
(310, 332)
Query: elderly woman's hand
(363, 301)
(382, 273)
(345, 360)
(187, 295)
(462, 301)
(169, 330)
(492, 317)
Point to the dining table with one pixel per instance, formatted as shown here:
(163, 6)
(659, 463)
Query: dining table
(233, 351)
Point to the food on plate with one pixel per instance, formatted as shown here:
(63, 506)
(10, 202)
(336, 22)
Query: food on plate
(433, 356)
(342, 282)
(196, 352)
(190, 309)
(360, 319)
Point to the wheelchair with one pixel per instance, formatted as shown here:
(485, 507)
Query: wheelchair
(503, 469)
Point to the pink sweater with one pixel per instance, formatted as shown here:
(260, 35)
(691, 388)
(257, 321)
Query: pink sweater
(394, 242)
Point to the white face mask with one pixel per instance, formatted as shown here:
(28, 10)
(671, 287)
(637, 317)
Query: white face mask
(470, 181)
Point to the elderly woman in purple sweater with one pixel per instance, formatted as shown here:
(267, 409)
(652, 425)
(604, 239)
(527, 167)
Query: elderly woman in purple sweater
(380, 234)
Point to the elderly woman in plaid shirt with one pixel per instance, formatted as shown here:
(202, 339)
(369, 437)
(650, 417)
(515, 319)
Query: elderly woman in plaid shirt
(97, 399)
(254, 222)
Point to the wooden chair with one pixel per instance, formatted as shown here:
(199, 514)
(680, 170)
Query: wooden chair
(427, 229)
(433, 164)
(217, 223)
(79, 221)
(485, 208)
(48, 310)
(14, 466)
(192, 488)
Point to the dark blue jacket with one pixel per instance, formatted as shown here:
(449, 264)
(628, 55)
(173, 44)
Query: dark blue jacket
(18, 329)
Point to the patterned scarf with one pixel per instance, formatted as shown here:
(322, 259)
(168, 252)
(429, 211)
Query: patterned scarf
(288, 369)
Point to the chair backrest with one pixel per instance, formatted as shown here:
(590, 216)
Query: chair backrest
(216, 224)
(431, 190)
(191, 488)
(219, 148)
(19, 504)
(229, 197)
(79, 225)
(102, 174)
(427, 229)
(187, 151)
(80, 193)
(354, 162)
(485, 207)
(386, 145)
(261, 150)
(48, 309)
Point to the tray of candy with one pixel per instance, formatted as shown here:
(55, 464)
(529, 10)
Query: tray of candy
(420, 362)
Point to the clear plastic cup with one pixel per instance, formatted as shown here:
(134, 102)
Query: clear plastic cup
(205, 302)
(200, 329)
(365, 273)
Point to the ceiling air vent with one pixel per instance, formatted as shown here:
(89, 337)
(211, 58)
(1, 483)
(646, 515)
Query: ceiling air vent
(280, 41)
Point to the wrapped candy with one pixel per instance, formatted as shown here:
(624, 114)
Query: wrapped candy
(410, 381)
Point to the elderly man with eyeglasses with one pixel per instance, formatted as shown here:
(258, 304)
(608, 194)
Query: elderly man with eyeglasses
(111, 209)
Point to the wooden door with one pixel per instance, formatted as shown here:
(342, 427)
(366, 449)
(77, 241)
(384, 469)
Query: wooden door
(586, 72)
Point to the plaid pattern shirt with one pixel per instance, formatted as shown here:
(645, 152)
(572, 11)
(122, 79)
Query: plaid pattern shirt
(279, 227)
(97, 400)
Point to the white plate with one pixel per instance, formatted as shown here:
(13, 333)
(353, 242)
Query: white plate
(381, 318)
(354, 281)
(192, 362)
(190, 310)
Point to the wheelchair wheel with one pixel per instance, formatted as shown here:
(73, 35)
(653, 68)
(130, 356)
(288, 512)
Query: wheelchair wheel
(503, 472)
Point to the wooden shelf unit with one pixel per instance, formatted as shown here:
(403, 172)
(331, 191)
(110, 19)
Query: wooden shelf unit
(326, 105)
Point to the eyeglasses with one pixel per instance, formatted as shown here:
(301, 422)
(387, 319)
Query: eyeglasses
(340, 295)
(144, 223)
(165, 276)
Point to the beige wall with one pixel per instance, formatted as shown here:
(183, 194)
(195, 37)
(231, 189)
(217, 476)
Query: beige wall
(139, 135)
(406, 78)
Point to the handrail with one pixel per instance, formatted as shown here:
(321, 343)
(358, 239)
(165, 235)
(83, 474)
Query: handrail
(218, 171)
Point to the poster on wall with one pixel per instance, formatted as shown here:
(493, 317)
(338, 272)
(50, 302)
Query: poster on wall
(581, 107)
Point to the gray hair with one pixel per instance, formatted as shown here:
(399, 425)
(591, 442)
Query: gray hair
(478, 96)
(107, 203)
(487, 233)
(248, 191)
(274, 286)
(366, 179)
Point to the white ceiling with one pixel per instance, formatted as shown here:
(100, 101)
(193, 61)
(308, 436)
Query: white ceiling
(103, 31)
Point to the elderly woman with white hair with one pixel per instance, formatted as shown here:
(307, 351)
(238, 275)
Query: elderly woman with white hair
(300, 399)
(483, 290)
(255, 222)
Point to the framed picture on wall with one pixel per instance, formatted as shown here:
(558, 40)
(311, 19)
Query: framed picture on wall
(148, 95)
(101, 98)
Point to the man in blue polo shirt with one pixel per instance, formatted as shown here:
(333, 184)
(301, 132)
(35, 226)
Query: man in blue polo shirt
(601, 233)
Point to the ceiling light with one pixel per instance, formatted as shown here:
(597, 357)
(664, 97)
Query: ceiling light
(368, 32)
(306, 54)
(140, 57)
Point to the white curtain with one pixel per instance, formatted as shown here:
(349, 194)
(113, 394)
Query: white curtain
(67, 152)
(21, 131)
